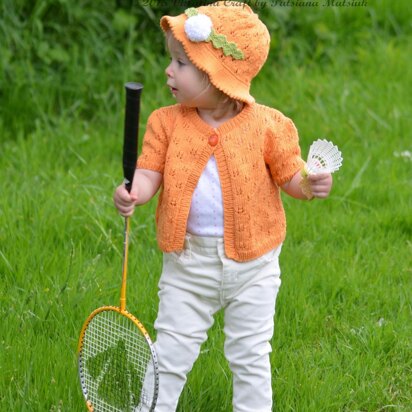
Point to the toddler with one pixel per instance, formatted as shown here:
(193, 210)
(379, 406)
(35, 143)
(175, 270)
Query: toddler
(220, 160)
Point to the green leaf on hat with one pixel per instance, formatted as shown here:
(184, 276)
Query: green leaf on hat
(191, 11)
(219, 41)
(238, 54)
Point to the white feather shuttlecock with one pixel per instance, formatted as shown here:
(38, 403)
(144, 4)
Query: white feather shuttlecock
(324, 157)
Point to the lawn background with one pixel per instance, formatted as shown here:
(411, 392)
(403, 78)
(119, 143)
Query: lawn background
(343, 323)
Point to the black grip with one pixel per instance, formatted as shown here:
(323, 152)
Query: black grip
(131, 131)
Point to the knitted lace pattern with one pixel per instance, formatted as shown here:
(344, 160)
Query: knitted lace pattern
(256, 152)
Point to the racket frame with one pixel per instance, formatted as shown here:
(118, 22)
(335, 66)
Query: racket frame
(143, 331)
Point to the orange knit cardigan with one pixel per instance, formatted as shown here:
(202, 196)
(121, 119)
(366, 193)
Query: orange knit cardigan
(256, 152)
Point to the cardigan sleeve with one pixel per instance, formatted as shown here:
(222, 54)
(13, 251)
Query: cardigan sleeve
(282, 151)
(155, 143)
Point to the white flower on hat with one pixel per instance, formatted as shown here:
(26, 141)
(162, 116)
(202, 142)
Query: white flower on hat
(199, 27)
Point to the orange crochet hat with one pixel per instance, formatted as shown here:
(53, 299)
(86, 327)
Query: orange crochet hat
(226, 40)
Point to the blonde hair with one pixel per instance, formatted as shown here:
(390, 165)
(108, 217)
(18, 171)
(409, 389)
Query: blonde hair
(223, 98)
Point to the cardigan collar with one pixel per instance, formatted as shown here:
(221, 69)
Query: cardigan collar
(193, 116)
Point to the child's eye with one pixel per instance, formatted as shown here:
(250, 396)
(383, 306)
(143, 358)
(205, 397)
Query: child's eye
(179, 61)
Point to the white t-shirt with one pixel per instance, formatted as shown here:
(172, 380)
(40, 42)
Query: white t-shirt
(206, 210)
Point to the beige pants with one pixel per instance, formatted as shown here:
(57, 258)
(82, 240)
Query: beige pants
(194, 285)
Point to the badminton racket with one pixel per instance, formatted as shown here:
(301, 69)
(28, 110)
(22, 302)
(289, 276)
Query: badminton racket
(117, 362)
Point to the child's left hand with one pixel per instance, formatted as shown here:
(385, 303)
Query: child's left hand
(320, 184)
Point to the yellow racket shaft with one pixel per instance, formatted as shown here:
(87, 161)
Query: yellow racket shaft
(125, 260)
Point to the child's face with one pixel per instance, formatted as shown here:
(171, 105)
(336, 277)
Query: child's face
(186, 81)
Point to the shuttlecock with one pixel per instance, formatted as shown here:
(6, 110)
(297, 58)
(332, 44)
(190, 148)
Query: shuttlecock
(324, 157)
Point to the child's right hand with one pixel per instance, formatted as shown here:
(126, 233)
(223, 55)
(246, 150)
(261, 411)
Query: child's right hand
(145, 185)
(124, 201)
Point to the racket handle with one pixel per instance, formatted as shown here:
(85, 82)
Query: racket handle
(131, 131)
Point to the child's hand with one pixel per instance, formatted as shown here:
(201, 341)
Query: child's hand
(144, 187)
(125, 201)
(316, 185)
(320, 184)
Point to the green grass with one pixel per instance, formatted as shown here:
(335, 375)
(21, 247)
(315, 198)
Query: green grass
(343, 323)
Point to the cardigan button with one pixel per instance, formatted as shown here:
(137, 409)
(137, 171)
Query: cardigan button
(213, 139)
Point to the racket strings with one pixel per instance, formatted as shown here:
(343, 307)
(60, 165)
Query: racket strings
(115, 364)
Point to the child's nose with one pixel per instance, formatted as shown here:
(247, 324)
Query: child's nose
(168, 71)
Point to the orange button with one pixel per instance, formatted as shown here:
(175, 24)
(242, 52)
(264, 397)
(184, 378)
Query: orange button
(213, 139)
